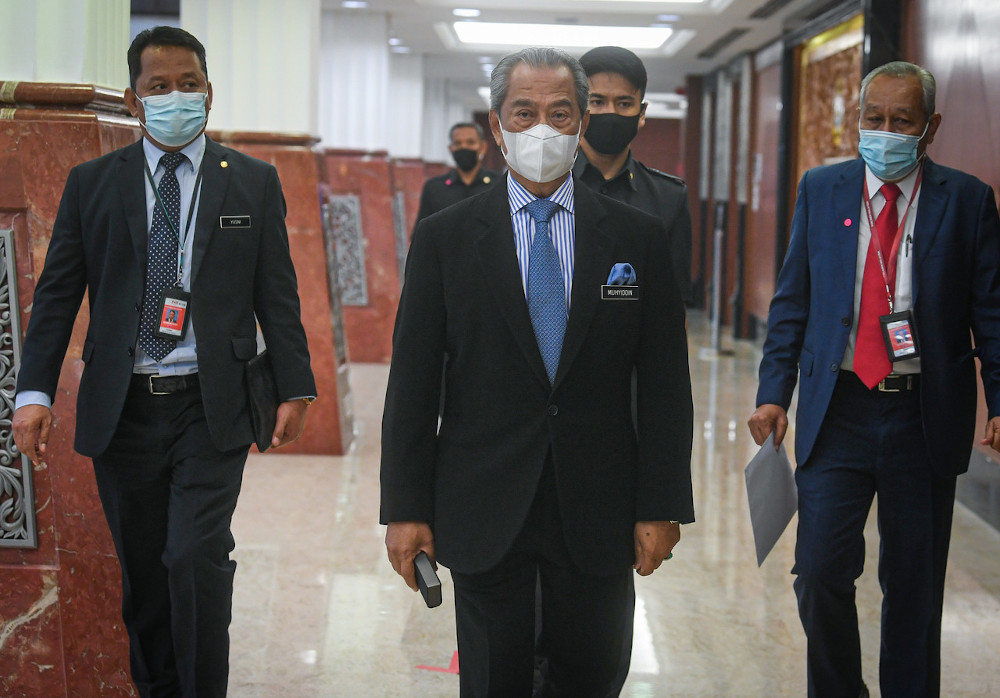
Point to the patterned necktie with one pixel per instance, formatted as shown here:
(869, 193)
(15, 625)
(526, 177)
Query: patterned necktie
(546, 291)
(161, 263)
(871, 361)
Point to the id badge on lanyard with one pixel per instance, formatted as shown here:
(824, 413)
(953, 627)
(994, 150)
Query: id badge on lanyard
(174, 300)
(899, 329)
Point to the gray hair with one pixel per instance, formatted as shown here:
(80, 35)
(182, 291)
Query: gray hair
(902, 69)
(537, 58)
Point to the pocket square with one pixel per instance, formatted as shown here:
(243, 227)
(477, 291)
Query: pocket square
(622, 274)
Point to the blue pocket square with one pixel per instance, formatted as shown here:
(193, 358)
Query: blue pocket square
(622, 274)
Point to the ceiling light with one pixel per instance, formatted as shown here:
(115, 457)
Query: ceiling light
(393, 41)
(354, 4)
(668, 18)
(562, 35)
(401, 49)
(465, 12)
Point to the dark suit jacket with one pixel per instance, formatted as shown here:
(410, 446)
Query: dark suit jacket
(99, 243)
(956, 287)
(475, 479)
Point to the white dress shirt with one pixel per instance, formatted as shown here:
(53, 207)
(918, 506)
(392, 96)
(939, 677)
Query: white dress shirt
(906, 204)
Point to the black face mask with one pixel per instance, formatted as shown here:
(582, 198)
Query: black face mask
(466, 159)
(610, 134)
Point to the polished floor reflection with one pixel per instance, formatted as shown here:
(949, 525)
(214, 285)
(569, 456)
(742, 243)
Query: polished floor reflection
(319, 613)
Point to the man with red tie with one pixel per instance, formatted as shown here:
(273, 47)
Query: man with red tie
(892, 260)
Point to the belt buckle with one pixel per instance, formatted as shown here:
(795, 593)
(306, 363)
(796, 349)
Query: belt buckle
(151, 390)
(883, 389)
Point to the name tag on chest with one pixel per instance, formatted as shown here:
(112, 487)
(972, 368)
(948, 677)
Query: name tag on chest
(234, 221)
(619, 293)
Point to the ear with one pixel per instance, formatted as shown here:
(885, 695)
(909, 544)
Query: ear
(584, 123)
(134, 105)
(642, 114)
(932, 127)
(208, 100)
(495, 130)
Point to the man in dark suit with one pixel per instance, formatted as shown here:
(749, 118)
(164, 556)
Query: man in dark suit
(617, 80)
(860, 268)
(536, 468)
(172, 222)
(468, 148)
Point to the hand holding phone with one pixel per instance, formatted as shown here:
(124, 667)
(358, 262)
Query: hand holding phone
(427, 580)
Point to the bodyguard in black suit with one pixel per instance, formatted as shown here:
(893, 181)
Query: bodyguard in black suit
(536, 468)
(173, 222)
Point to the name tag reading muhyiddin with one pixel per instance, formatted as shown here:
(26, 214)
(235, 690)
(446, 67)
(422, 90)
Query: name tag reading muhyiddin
(619, 293)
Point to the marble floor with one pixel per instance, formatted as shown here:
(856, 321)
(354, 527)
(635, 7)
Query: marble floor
(318, 611)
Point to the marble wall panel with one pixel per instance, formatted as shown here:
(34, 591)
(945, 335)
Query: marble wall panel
(61, 603)
(367, 177)
(329, 428)
(959, 42)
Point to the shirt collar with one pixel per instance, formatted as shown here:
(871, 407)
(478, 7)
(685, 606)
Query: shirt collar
(195, 151)
(906, 184)
(520, 197)
(584, 169)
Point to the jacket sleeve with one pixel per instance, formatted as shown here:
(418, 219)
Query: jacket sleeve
(57, 298)
(789, 312)
(412, 401)
(986, 298)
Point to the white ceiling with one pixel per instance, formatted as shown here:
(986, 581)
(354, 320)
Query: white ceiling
(423, 26)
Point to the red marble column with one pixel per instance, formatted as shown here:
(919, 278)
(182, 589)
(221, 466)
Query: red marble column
(366, 175)
(408, 178)
(329, 429)
(61, 632)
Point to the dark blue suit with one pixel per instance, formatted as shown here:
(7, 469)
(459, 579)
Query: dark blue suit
(851, 443)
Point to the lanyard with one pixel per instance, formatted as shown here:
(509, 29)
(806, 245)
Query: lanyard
(187, 227)
(889, 278)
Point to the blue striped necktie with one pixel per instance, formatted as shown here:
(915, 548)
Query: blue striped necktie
(546, 291)
(161, 262)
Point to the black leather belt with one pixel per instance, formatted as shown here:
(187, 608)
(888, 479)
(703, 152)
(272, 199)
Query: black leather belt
(899, 383)
(164, 385)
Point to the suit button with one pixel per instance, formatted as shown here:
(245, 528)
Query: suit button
(834, 367)
(131, 351)
(845, 321)
(553, 410)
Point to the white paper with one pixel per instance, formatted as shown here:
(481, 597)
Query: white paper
(772, 494)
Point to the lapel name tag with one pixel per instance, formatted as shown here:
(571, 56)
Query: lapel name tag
(234, 221)
(619, 293)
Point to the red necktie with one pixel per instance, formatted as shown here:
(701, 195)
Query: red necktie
(871, 360)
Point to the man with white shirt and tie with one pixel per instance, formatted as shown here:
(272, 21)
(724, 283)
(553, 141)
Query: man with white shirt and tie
(535, 469)
(180, 245)
(892, 261)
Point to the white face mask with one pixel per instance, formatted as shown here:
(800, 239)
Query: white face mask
(540, 154)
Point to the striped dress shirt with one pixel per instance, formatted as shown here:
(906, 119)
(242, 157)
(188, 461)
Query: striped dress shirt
(562, 229)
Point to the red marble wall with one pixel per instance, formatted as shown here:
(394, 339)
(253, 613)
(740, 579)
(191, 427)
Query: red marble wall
(408, 178)
(959, 42)
(61, 632)
(762, 221)
(658, 144)
(329, 427)
(366, 175)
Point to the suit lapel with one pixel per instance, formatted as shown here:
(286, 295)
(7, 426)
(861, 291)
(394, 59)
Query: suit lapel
(498, 261)
(214, 184)
(593, 252)
(132, 185)
(847, 195)
(930, 209)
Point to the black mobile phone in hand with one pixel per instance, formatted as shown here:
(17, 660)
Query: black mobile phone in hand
(427, 580)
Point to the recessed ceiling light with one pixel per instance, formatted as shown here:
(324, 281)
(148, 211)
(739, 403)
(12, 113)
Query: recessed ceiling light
(668, 18)
(393, 41)
(401, 49)
(562, 35)
(465, 12)
(354, 4)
